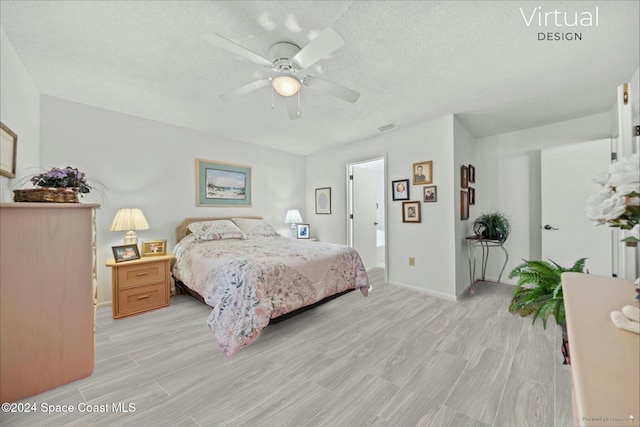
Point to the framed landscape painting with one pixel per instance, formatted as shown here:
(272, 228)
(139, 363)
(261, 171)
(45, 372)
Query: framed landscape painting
(222, 184)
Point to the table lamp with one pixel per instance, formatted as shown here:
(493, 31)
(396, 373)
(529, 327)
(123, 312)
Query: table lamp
(293, 217)
(129, 220)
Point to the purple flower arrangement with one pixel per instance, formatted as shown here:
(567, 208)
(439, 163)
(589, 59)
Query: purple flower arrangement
(62, 178)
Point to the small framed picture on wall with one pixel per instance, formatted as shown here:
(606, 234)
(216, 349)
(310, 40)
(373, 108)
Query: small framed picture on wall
(422, 173)
(323, 201)
(464, 205)
(430, 193)
(410, 211)
(464, 176)
(400, 189)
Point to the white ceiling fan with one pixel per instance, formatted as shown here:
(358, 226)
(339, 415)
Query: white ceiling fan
(287, 63)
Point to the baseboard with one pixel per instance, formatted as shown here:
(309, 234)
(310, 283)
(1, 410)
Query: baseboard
(425, 291)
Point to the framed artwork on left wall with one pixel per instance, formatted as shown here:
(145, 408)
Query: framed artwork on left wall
(8, 150)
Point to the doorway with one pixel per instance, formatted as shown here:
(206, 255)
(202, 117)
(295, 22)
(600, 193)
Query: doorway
(567, 174)
(366, 212)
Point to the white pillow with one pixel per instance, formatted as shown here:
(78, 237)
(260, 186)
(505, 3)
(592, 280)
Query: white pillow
(216, 230)
(255, 227)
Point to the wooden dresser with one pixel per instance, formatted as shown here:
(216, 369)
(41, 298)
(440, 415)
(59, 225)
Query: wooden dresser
(605, 360)
(47, 296)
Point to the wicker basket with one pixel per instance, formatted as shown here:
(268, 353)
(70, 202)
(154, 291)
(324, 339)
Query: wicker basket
(47, 194)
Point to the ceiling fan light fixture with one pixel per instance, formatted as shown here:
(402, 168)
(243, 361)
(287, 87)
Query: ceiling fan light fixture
(286, 85)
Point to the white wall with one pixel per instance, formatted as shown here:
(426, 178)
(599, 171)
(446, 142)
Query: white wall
(431, 242)
(20, 112)
(150, 165)
(464, 153)
(508, 180)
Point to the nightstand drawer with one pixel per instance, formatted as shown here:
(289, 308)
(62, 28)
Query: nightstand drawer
(141, 274)
(142, 298)
(140, 285)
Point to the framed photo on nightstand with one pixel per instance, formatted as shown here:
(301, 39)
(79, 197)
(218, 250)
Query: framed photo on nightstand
(125, 253)
(154, 248)
(303, 231)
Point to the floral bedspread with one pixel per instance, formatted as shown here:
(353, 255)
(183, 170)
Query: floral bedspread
(249, 282)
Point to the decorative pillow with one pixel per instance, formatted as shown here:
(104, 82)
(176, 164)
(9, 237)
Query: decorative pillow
(216, 230)
(255, 227)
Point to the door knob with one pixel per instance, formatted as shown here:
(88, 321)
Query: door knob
(548, 227)
(375, 223)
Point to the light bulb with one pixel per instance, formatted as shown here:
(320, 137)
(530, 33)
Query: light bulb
(286, 85)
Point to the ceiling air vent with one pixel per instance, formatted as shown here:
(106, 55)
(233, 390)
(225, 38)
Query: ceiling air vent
(387, 127)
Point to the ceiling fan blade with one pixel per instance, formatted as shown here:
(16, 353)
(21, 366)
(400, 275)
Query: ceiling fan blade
(293, 106)
(236, 49)
(331, 88)
(318, 48)
(243, 90)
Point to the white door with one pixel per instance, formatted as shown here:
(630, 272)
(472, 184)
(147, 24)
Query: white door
(567, 180)
(364, 222)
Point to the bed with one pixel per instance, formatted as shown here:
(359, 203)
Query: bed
(249, 274)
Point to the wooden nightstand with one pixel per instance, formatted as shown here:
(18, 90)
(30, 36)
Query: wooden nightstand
(140, 285)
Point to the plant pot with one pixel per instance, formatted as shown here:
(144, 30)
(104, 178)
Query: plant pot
(47, 195)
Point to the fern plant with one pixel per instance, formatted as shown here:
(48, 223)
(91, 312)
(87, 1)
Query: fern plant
(539, 290)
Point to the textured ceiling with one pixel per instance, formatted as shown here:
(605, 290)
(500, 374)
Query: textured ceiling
(411, 61)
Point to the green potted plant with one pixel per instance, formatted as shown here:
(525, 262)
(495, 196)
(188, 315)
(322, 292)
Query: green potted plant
(538, 292)
(493, 225)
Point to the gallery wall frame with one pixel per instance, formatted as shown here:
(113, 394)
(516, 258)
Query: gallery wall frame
(464, 205)
(430, 193)
(464, 176)
(411, 212)
(400, 189)
(222, 184)
(472, 174)
(422, 173)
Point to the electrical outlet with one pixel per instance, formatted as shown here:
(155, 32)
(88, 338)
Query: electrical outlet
(412, 261)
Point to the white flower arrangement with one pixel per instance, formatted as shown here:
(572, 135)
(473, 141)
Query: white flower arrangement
(618, 203)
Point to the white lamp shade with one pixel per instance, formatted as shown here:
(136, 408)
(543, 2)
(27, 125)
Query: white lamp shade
(293, 217)
(128, 219)
(285, 85)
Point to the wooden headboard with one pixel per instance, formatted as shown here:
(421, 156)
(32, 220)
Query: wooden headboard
(182, 230)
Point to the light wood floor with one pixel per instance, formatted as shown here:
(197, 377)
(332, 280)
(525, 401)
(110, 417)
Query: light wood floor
(396, 358)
